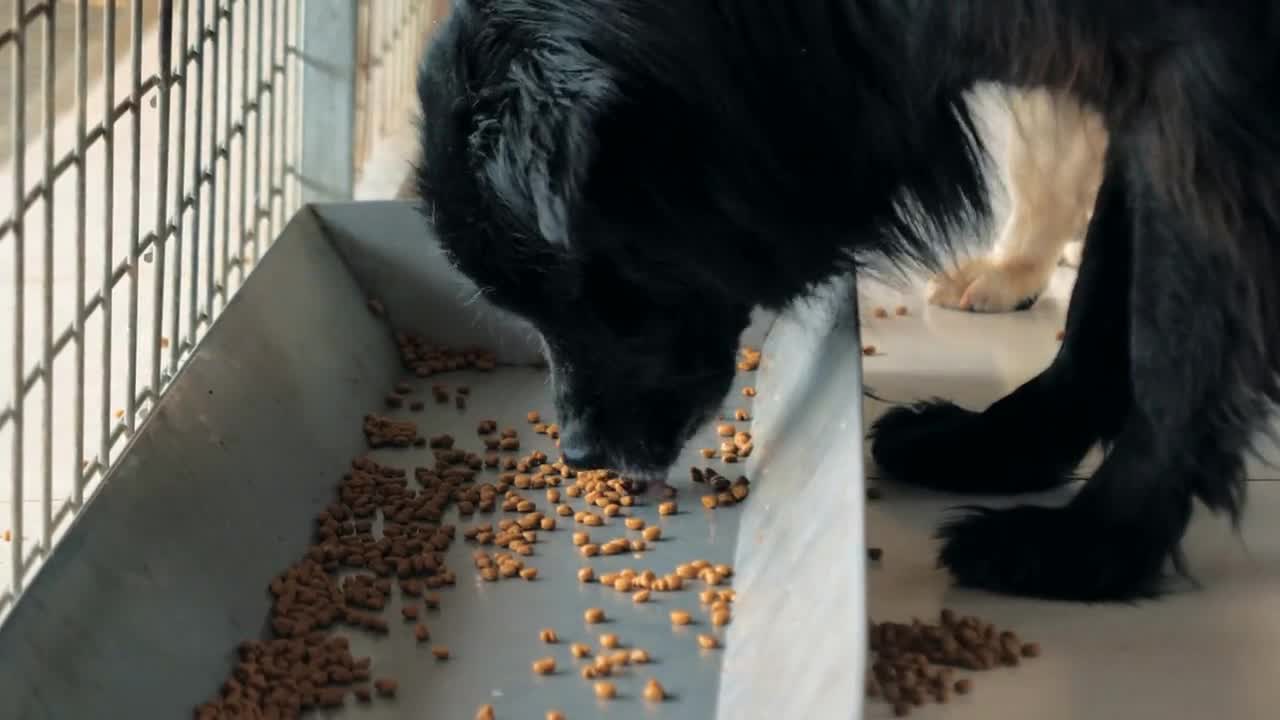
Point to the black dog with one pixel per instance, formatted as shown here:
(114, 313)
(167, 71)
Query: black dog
(634, 176)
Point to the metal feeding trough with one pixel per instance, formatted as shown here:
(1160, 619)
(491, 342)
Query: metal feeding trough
(138, 612)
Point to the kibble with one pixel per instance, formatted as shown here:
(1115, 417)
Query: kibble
(593, 616)
(586, 574)
(610, 641)
(555, 715)
(386, 687)
(725, 430)
(640, 597)
(680, 617)
(652, 533)
(547, 635)
(708, 642)
(580, 650)
(544, 666)
(634, 523)
(421, 633)
(639, 656)
(605, 690)
(667, 508)
(441, 652)
(654, 692)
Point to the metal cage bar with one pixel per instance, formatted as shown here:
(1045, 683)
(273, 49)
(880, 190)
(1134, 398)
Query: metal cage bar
(227, 119)
(210, 119)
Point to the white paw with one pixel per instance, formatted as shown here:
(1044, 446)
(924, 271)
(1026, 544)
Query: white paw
(1072, 252)
(982, 285)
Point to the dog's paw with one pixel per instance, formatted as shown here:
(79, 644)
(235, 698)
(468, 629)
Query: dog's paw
(1072, 253)
(983, 285)
(927, 444)
(1052, 553)
(942, 446)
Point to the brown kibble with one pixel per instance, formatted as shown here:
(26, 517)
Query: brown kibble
(640, 597)
(741, 415)
(610, 641)
(386, 687)
(605, 690)
(708, 453)
(639, 656)
(529, 573)
(653, 691)
(880, 312)
(588, 672)
(901, 311)
(533, 417)
(421, 633)
(553, 495)
(547, 524)
(547, 635)
(1031, 650)
(708, 642)
(622, 584)
(410, 612)
(963, 686)
(590, 550)
(868, 350)
(724, 430)
(432, 601)
(593, 616)
(720, 618)
(564, 510)
(485, 712)
(681, 617)
(652, 533)
(709, 502)
(667, 508)
(580, 650)
(634, 523)
(441, 652)
(749, 391)
(586, 575)
(544, 666)
(555, 715)
(580, 538)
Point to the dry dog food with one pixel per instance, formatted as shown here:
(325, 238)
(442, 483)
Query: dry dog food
(915, 663)
(544, 666)
(708, 642)
(653, 691)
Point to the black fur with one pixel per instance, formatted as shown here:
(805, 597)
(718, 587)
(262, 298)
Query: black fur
(634, 176)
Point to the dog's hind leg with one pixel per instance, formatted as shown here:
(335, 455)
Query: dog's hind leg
(1033, 438)
(1199, 376)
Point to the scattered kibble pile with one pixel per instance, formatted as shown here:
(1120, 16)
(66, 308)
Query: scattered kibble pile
(381, 548)
(914, 664)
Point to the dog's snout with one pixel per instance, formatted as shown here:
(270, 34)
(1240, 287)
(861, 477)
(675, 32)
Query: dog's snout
(578, 451)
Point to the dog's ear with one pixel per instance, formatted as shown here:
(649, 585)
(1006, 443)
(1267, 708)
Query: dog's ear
(534, 135)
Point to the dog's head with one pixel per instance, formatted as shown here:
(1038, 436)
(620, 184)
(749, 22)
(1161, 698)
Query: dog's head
(640, 340)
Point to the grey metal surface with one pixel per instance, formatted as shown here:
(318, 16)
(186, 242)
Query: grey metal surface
(326, 162)
(140, 607)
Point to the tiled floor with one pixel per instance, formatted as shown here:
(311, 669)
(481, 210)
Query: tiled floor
(1202, 652)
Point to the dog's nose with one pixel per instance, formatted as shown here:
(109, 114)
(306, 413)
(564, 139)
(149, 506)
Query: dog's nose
(578, 451)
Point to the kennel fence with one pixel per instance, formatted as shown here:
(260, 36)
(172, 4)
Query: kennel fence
(153, 150)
